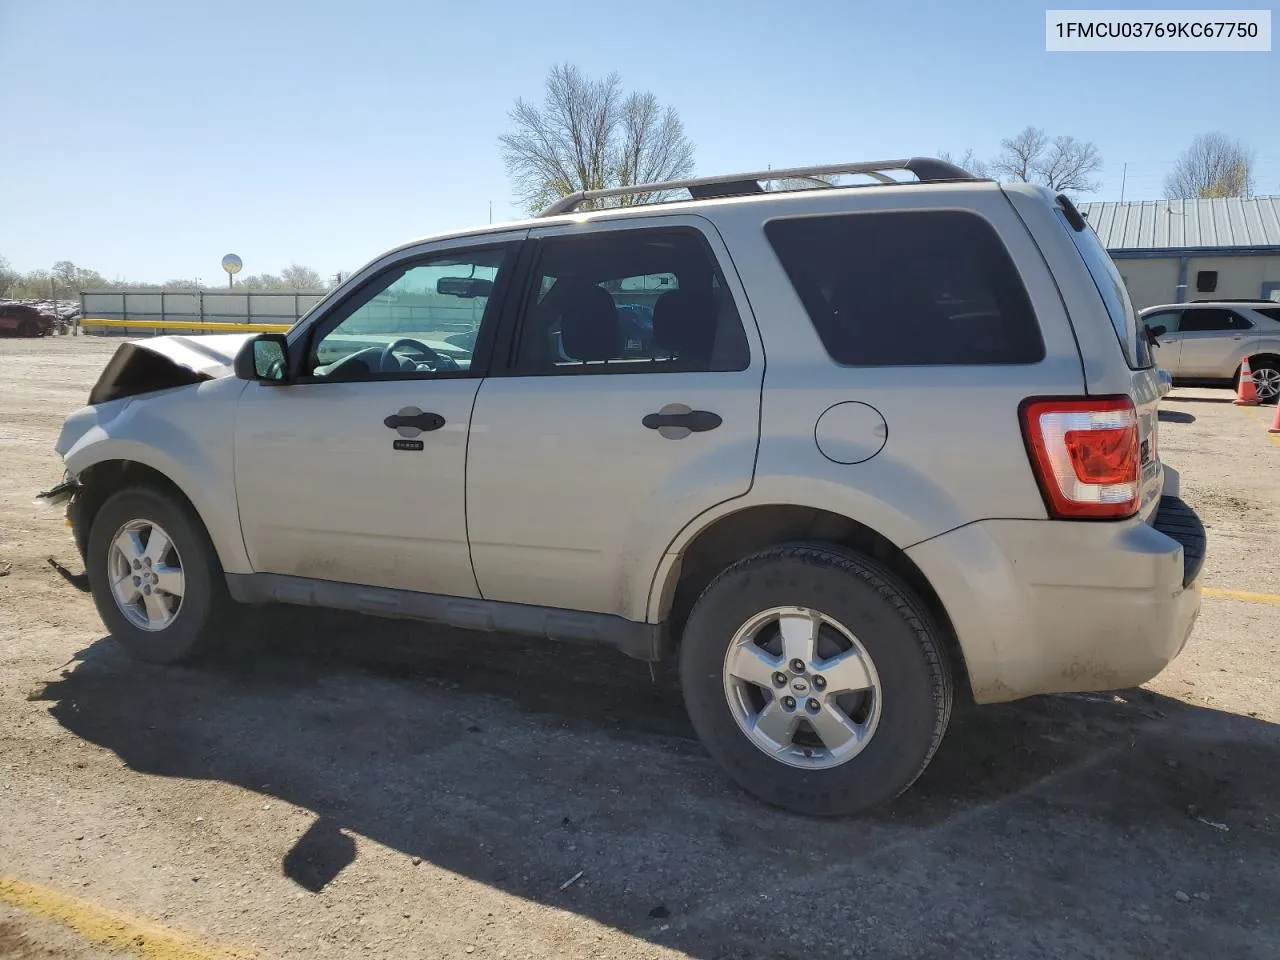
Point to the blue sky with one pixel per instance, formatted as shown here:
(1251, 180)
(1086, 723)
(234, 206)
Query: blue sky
(146, 138)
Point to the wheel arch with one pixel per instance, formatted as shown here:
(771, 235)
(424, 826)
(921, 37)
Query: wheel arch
(733, 536)
(1268, 357)
(101, 479)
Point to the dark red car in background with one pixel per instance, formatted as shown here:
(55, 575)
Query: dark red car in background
(25, 320)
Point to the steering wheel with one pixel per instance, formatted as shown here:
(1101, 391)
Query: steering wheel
(389, 364)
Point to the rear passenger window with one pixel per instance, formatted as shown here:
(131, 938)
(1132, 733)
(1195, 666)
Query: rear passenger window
(630, 301)
(1210, 319)
(910, 287)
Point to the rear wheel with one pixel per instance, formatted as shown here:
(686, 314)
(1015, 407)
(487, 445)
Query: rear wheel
(1266, 377)
(155, 577)
(816, 679)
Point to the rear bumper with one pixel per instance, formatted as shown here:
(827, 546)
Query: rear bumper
(1044, 606)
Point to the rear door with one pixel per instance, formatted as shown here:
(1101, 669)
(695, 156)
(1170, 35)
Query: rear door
(1168, 345)
(1213, 341)
(630, 403)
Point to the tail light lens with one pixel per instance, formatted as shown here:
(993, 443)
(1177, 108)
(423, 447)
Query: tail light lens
(1085, 455)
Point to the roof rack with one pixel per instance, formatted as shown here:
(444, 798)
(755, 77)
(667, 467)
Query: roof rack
(745, 184)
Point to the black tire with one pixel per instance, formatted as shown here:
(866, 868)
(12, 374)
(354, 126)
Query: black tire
(888, 620)
(205, 611)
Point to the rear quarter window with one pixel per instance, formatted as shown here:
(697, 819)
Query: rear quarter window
(917, 287)
(1111, 288)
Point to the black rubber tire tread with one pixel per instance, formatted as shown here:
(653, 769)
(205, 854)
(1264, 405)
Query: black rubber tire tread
(207, 608)
(888, 619)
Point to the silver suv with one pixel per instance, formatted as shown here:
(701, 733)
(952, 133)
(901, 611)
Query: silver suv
(1203, 342)
(840, 449)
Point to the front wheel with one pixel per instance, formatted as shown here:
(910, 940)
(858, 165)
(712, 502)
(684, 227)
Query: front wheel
(155, 577)
(816, 679)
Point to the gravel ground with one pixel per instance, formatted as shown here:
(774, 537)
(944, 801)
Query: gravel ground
(336, 786)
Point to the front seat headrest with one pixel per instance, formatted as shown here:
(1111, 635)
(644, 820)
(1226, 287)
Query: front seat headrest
(589, 327)
(684, 325)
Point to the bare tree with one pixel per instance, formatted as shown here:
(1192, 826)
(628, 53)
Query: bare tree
(298, 277)
(1063, 163)
(1213, 166)
(1018, 154)
(969, 162)
(589, 135)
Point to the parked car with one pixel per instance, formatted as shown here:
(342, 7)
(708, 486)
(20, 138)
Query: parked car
(946, 475)
(1203, 342)
(25, 320)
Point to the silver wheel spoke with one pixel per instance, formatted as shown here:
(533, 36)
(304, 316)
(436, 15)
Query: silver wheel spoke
(157, 612)
(753, 665)
(170, 580)
(845, 673)
(833, 728)
(157, 544)
(799, 636)
(129, 543)
(776, 724)
(125, 589)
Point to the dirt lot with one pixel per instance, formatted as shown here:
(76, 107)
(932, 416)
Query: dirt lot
(340, 787)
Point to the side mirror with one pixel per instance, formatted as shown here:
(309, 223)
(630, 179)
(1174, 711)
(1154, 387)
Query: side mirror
(264, 358)
(1157, 331)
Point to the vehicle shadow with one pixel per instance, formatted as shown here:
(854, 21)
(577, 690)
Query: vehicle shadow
(1176, 416)
(518, 764)
(1225, 398)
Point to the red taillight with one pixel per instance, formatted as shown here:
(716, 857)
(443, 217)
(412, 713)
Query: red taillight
(1085, 455)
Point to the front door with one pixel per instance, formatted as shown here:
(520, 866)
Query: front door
(354, 471)
(630, 405)
(1168, 344)
(1213, 341)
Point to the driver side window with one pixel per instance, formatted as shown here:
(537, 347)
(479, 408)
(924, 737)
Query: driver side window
(421, 319)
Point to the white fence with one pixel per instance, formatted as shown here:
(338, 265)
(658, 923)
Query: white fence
(196, 306)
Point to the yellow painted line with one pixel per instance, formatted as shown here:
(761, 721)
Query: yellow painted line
(114, 931)
(188, 325)
(1272, 598)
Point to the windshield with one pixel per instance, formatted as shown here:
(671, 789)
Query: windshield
(1137, 351)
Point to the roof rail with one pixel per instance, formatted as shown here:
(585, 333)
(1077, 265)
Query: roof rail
(744, 184)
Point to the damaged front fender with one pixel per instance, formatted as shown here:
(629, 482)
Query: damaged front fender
(161, 363)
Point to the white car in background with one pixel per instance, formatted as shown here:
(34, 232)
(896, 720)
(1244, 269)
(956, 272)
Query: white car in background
(1203, 342)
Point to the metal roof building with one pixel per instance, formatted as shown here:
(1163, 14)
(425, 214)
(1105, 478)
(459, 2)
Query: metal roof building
(1170, 251)
(1187, 224)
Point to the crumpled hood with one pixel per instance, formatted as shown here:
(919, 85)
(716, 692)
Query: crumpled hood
(158, 363)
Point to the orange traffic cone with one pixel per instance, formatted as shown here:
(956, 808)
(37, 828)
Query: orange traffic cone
(1275, 421)
(1246, 389)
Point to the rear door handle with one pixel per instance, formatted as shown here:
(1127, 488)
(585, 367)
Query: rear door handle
(697, 421)
(420, 421)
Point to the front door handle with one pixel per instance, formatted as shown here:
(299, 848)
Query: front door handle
(418, 421)
(696, 421)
